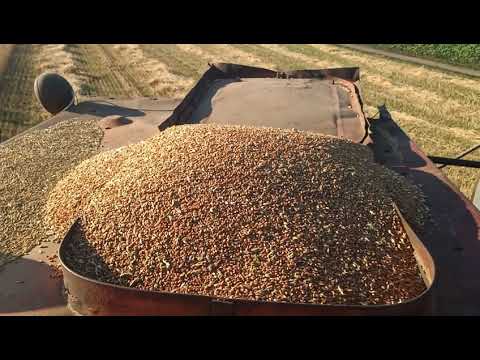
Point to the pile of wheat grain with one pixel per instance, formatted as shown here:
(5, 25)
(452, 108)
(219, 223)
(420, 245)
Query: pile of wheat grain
(257, 213)
(30, 166)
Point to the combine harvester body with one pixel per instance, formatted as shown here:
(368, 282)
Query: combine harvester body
(324, 101)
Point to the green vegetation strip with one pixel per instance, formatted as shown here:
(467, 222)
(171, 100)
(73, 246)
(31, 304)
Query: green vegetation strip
(455, 54)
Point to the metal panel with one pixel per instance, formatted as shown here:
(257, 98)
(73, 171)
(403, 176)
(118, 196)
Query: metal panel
(232, 94)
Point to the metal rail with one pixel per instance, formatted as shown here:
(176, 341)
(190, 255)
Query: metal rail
(456, 162)
(465, 153)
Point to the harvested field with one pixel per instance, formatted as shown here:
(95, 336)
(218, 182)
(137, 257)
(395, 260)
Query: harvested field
(57, 59)
(5, 51)
(18, 107)
(296, 236)
(30, 166)
(438, 110)
(154, 75)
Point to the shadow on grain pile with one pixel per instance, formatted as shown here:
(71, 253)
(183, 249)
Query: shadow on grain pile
(79, 249)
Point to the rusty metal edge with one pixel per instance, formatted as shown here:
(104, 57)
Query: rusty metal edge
(88, 296)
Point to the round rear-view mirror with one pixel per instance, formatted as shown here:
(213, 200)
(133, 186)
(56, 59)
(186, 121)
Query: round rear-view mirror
(53, 92)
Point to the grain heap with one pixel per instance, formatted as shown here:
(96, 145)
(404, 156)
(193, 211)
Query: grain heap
(73, 191)
(30, 166)
(257, 213)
